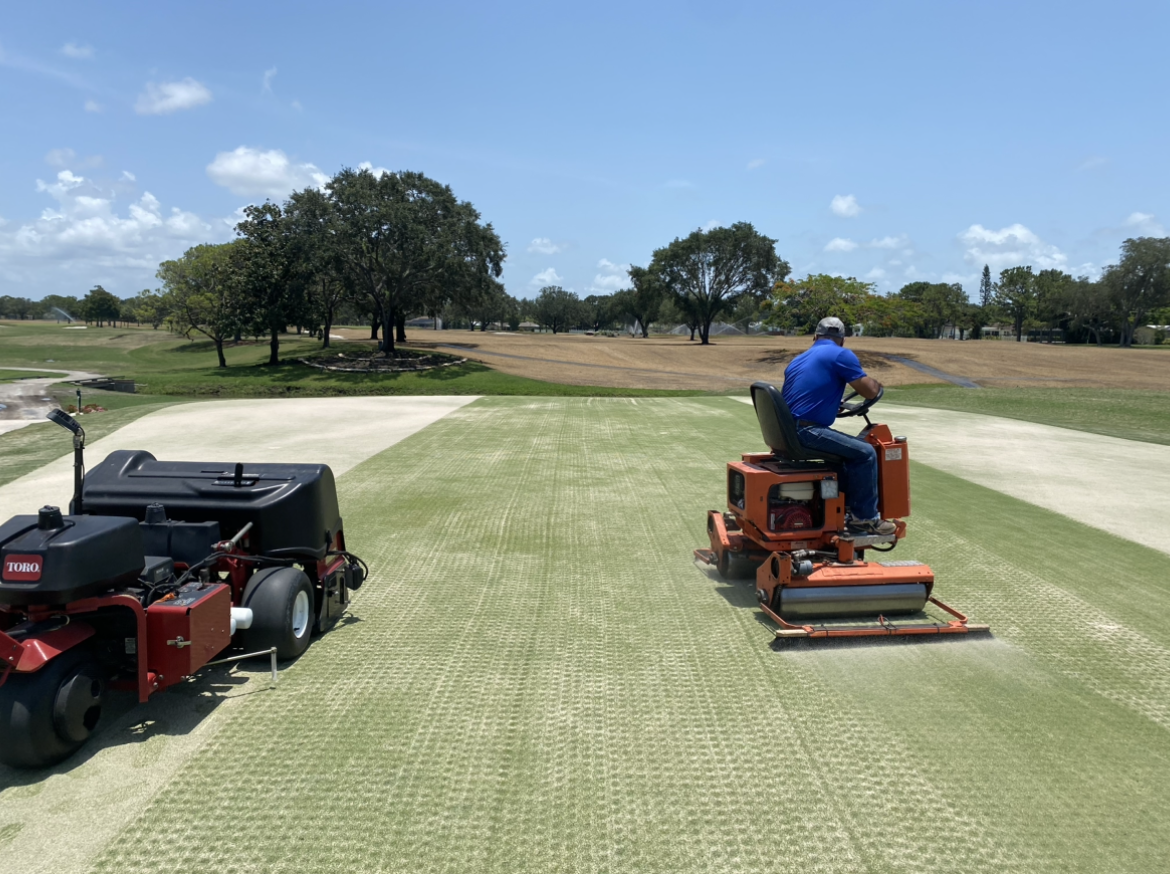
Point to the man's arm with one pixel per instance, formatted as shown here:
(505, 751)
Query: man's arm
(867, 387)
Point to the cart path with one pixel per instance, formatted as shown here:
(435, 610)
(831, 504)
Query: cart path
(1115, 485)
(78, 806)
(26, 402)
(346, 431)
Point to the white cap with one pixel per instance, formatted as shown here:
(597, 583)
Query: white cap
(830, 326)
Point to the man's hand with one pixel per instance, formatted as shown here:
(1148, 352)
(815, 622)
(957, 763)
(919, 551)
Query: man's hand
(867, 387)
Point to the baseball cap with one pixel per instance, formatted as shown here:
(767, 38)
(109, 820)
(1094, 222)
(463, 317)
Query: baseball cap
(830, 326)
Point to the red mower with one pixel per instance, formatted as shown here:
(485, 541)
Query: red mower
(159, 569)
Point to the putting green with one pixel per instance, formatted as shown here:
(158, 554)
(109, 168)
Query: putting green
(537, 678)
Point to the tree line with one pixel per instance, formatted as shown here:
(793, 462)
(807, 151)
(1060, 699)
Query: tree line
(384, 248)
(1050, 302)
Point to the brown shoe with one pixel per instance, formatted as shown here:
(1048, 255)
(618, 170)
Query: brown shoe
(872, 526)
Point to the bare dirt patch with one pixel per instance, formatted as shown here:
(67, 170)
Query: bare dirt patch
(673, 362)
(403, 361)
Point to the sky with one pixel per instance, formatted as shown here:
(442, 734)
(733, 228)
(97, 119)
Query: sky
(890, 141)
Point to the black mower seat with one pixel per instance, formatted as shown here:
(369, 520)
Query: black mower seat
(779, 428)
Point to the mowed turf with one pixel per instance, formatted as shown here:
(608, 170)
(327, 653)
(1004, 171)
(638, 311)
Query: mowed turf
(538, 678)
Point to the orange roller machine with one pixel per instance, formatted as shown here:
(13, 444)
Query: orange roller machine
(785, 522)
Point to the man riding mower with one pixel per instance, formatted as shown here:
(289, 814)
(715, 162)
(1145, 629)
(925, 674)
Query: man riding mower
(787, 518)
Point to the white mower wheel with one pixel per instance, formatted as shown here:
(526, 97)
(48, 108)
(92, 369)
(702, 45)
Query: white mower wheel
(281, 600)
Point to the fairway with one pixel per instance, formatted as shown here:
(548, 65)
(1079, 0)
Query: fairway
(538, 678)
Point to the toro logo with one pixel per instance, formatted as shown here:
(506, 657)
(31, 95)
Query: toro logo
(22, 568)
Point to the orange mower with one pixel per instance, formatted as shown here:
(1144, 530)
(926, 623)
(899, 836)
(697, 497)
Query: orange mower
(786, 521)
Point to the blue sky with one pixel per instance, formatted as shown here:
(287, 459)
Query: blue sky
(887, 141)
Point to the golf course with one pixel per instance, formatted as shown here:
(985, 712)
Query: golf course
(537, 675)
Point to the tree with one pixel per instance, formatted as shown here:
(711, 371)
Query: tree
(555, 308)
(65, 304)
(598, 311)
(1052, 289)
(1089, 307)
(100, 306)
(986, 289)
(1015, 293)
(401, 233)
(318, 266)
(267, 257)
(640, 303)
(972, 319)
(202, 290)
(940, 304)
(151, 308)
(798, 306)
(1140, 283)
(710, 271)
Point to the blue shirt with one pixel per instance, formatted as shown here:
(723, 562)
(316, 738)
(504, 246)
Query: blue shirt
(815, 380)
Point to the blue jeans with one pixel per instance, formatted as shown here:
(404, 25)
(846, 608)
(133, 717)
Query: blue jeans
(859, 476)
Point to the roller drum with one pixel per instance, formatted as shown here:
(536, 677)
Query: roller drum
(891, 599)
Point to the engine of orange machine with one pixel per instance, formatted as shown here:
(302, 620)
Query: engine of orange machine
(781, 501)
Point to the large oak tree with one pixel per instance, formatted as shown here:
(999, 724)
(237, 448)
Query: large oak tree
(709, 271)
(401, 234)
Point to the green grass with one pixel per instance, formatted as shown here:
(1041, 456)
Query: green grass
(164, 365)
(13, 375)
(537, 678)
(1126, 413)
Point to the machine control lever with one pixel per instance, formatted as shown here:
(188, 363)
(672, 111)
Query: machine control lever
(179, 642)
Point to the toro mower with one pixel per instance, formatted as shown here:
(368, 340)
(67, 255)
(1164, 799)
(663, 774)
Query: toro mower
(786, 522)
(158, 568)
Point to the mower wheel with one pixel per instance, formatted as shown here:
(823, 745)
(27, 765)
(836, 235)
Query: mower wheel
(283, 609)
(47, 715)
(735, 567)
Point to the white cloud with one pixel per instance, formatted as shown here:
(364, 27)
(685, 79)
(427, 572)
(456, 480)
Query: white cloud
(961, 278)
(74, 50)
(712, 225)
(1012, 246)
(545, 277)
(612, 277)
(83, 238)
(845, 205)
(167, 97)
(1146, 224)
(875, 274)
(1092, 163)
(93, 106)
(248, 171)
(756, 163)
(378, 172)
(59, 157)
(68, 158)
(296, 104)
(679, 183)
(544, 246)
(897, 242)
(840, 244)
(269, 75)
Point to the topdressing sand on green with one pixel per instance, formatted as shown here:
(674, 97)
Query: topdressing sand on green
(538, 678)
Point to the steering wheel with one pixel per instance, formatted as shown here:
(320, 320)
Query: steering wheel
(859, 409)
